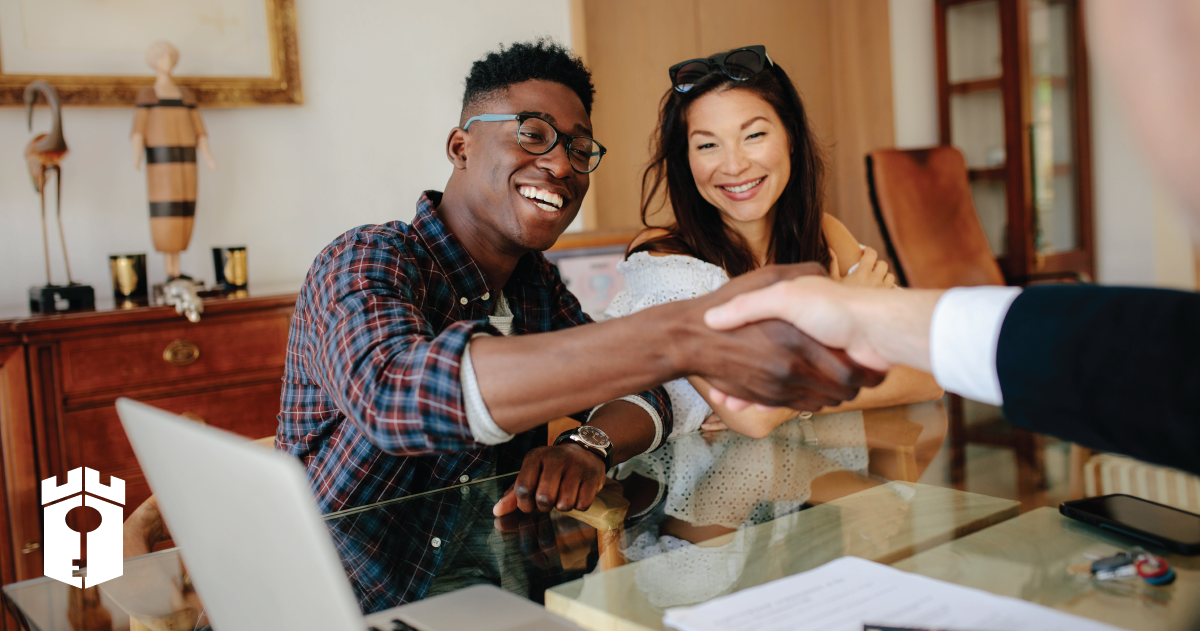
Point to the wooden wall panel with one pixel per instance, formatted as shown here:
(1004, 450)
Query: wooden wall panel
(837, 52)
(798, 37)
(631, 43)
(861, 55)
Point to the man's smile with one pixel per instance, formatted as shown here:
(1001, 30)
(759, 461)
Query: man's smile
(542, 198)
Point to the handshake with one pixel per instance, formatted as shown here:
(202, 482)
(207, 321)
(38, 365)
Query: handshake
(786, 335)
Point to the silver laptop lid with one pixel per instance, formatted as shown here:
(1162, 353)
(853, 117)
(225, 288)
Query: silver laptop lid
(246, 523)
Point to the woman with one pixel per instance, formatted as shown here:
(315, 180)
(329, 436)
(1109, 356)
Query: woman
(743, 173)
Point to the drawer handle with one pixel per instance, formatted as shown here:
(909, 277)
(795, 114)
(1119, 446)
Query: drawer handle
(181, 353)
(29, 547)
(191, 416)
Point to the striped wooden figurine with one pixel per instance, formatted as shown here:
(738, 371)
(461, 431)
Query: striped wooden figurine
(168, 130)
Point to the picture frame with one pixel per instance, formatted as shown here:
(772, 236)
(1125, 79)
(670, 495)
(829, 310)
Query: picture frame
(261, 68)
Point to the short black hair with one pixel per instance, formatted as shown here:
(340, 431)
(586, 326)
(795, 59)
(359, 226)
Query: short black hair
(539, 59)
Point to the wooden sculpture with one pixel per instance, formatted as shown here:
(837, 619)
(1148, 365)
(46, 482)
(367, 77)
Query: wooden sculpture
(43, 155)
(168, 130)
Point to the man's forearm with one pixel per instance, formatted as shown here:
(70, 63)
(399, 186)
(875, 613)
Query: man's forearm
(527, 379)
(628, 426)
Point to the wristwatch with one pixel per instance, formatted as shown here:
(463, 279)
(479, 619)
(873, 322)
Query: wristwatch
(593, 439)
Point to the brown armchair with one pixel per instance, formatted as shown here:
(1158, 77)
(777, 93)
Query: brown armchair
(923, 204)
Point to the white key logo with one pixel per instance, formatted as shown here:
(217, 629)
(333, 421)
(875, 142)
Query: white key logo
(61, 550)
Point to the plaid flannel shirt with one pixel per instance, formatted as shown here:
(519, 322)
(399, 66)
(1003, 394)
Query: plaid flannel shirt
(372, 402)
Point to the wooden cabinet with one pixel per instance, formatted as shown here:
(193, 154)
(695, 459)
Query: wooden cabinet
(60, 375)
(1013, 96)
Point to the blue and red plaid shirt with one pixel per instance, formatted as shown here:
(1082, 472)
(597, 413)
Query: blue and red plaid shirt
(372, 402)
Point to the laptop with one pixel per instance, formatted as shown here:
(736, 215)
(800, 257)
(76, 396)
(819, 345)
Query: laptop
(260, 556)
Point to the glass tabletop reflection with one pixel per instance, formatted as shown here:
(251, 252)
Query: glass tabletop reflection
(707, 514)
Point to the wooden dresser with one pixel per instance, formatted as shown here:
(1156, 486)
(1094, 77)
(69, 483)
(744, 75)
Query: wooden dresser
(60, 375)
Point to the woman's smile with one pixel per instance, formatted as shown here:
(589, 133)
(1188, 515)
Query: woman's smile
(742, 191)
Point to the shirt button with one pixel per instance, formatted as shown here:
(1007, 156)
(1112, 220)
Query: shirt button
(436, 542)
(462, 301)
(465, 491)
(463, 479)
(487, 295)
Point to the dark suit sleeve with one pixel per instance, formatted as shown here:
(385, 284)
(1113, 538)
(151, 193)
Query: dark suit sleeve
(1111, 368)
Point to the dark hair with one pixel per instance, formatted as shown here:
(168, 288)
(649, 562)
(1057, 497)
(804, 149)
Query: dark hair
(540, 59)
(698, 230)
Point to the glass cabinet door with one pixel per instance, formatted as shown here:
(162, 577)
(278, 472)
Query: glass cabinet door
(977, 110)
(1052, 156)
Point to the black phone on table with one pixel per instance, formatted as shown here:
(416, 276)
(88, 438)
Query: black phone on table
(1135, 517)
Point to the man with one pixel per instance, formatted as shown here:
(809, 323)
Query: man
(429, 354)
(1110, 368)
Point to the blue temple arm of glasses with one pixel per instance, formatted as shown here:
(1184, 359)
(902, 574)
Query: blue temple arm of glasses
(489, 118)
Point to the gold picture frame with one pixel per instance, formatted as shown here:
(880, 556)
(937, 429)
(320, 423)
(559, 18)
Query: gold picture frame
(283, 87)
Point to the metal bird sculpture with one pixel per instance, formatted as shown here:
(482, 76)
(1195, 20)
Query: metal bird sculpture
(43, 155)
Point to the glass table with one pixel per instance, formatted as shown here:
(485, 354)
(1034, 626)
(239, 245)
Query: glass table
(708, 514)
(1028, 558)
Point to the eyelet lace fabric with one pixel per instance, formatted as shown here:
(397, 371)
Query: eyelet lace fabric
(656, 280)
(734, 482)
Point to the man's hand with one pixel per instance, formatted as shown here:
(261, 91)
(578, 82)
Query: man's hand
(814, 305)
(562, 477)
(878, 328)
(769, 361)
(550, 542)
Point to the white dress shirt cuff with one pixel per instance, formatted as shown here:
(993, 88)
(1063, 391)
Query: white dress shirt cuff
(483, 428)
(964, 333)
(640, 402)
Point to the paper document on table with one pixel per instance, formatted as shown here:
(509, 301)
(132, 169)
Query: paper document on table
(845, 594)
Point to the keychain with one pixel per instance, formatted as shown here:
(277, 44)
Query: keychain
(1138, 562)
(1155, 570)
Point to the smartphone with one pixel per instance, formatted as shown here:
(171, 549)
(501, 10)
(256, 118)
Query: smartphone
(1150, 522)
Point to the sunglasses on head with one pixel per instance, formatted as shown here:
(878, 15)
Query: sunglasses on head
(739, 64)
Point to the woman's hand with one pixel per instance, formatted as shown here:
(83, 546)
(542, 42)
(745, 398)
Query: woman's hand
(756, 422)
(713, 423)
(870, 272)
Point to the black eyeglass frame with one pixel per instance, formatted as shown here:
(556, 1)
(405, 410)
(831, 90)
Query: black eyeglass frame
(521, 118)
(718, 61)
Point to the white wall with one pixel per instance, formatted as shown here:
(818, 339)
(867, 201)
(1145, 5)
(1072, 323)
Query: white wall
(914, 75)
(382, 87)
(1137, 241)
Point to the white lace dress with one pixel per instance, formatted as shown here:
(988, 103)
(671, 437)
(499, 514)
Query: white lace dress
(656, 280)
(735, 482)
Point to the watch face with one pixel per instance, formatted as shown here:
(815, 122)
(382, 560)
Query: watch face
(593, 436)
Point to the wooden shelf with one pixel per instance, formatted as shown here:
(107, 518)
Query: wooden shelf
(993, 174)
(975, 85)
(1057, 81)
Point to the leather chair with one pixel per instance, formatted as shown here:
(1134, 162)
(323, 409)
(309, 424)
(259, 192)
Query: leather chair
(923, 204)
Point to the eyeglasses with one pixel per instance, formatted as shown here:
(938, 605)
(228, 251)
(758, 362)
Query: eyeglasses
(539, 137)
(739, 64)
